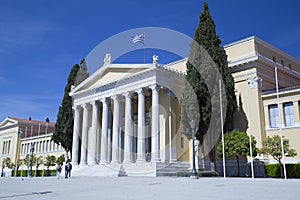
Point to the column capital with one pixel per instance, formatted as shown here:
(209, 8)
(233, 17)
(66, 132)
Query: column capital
(95, 103)
(77, 107)
(104, 100)
(116, 97)
(140, 91)
(127, 94)
(86, 106)
(155, 87)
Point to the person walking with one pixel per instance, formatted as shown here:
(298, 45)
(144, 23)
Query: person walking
(67, 169)
(58, 170)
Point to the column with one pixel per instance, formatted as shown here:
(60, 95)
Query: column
(85, 128)
(155, 153)
(76, 134)
(49, 146)
(141, 126)
(172, 127)
(93, 154)
(116, 125)
(104, 131)
(173, 137)
(128, 129)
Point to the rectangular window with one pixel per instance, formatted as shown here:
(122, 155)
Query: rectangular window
(274, 116)
(288, 111)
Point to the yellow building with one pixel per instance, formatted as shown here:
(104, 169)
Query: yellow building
(253, 63)
(18, 136)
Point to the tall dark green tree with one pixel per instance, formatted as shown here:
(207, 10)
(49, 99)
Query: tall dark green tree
(82, 73)
(65, 120)
(207, 55)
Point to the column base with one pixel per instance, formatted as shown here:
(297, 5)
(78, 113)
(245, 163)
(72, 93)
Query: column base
(127, 162)
(93, 163)
(75, 164)
(155, 160)
(115, 162)
(103, 162)
(139, 161)
(82, 164)
(173, 161)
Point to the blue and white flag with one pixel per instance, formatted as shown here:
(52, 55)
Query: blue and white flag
(139, 38)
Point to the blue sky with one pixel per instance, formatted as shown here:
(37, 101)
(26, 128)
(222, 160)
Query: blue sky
(40, 40)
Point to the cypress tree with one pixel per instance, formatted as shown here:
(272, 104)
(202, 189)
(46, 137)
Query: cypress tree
(206, 54)
(82, 74)
(65, 120)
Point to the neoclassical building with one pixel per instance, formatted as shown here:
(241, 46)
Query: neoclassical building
(18, 136)
(127, 116)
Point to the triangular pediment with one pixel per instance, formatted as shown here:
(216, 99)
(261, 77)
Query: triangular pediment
(8, 122)
(111, 73)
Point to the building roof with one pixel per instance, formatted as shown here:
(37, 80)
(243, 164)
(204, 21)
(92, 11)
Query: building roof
(29, 128)
(27, 121)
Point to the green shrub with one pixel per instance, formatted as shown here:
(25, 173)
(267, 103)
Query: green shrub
(39, 173)
(272, 170)
(293, 170)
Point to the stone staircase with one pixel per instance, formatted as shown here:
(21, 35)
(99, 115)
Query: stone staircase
(97, 170)
(131, 169)
(171, 169)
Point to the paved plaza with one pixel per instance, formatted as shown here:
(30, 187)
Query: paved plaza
(144, 188)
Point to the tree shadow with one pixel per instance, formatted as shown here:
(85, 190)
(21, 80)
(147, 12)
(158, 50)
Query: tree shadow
(240, 118)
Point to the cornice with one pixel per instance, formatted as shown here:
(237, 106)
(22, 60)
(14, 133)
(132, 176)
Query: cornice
(281, 91)
(127, 80)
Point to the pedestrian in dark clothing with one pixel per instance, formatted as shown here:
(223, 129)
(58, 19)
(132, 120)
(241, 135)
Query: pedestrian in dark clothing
(67, 169)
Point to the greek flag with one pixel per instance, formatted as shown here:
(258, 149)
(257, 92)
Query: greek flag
(139, 38)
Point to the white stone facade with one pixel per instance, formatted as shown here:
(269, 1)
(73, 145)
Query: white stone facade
(123, 115)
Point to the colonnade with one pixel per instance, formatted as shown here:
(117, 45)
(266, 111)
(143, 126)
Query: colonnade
(89, 130)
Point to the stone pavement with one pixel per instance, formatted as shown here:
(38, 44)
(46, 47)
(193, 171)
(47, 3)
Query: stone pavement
(146, 188)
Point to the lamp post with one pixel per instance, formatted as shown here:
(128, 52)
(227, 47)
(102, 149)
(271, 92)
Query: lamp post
(194, 172)
(31, 159)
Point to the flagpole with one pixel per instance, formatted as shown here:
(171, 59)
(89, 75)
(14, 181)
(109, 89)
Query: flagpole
(223, 148)
(248, 81)
(280, 128)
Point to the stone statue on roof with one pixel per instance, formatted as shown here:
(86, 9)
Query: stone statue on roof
(155, 59)
(107, 59)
